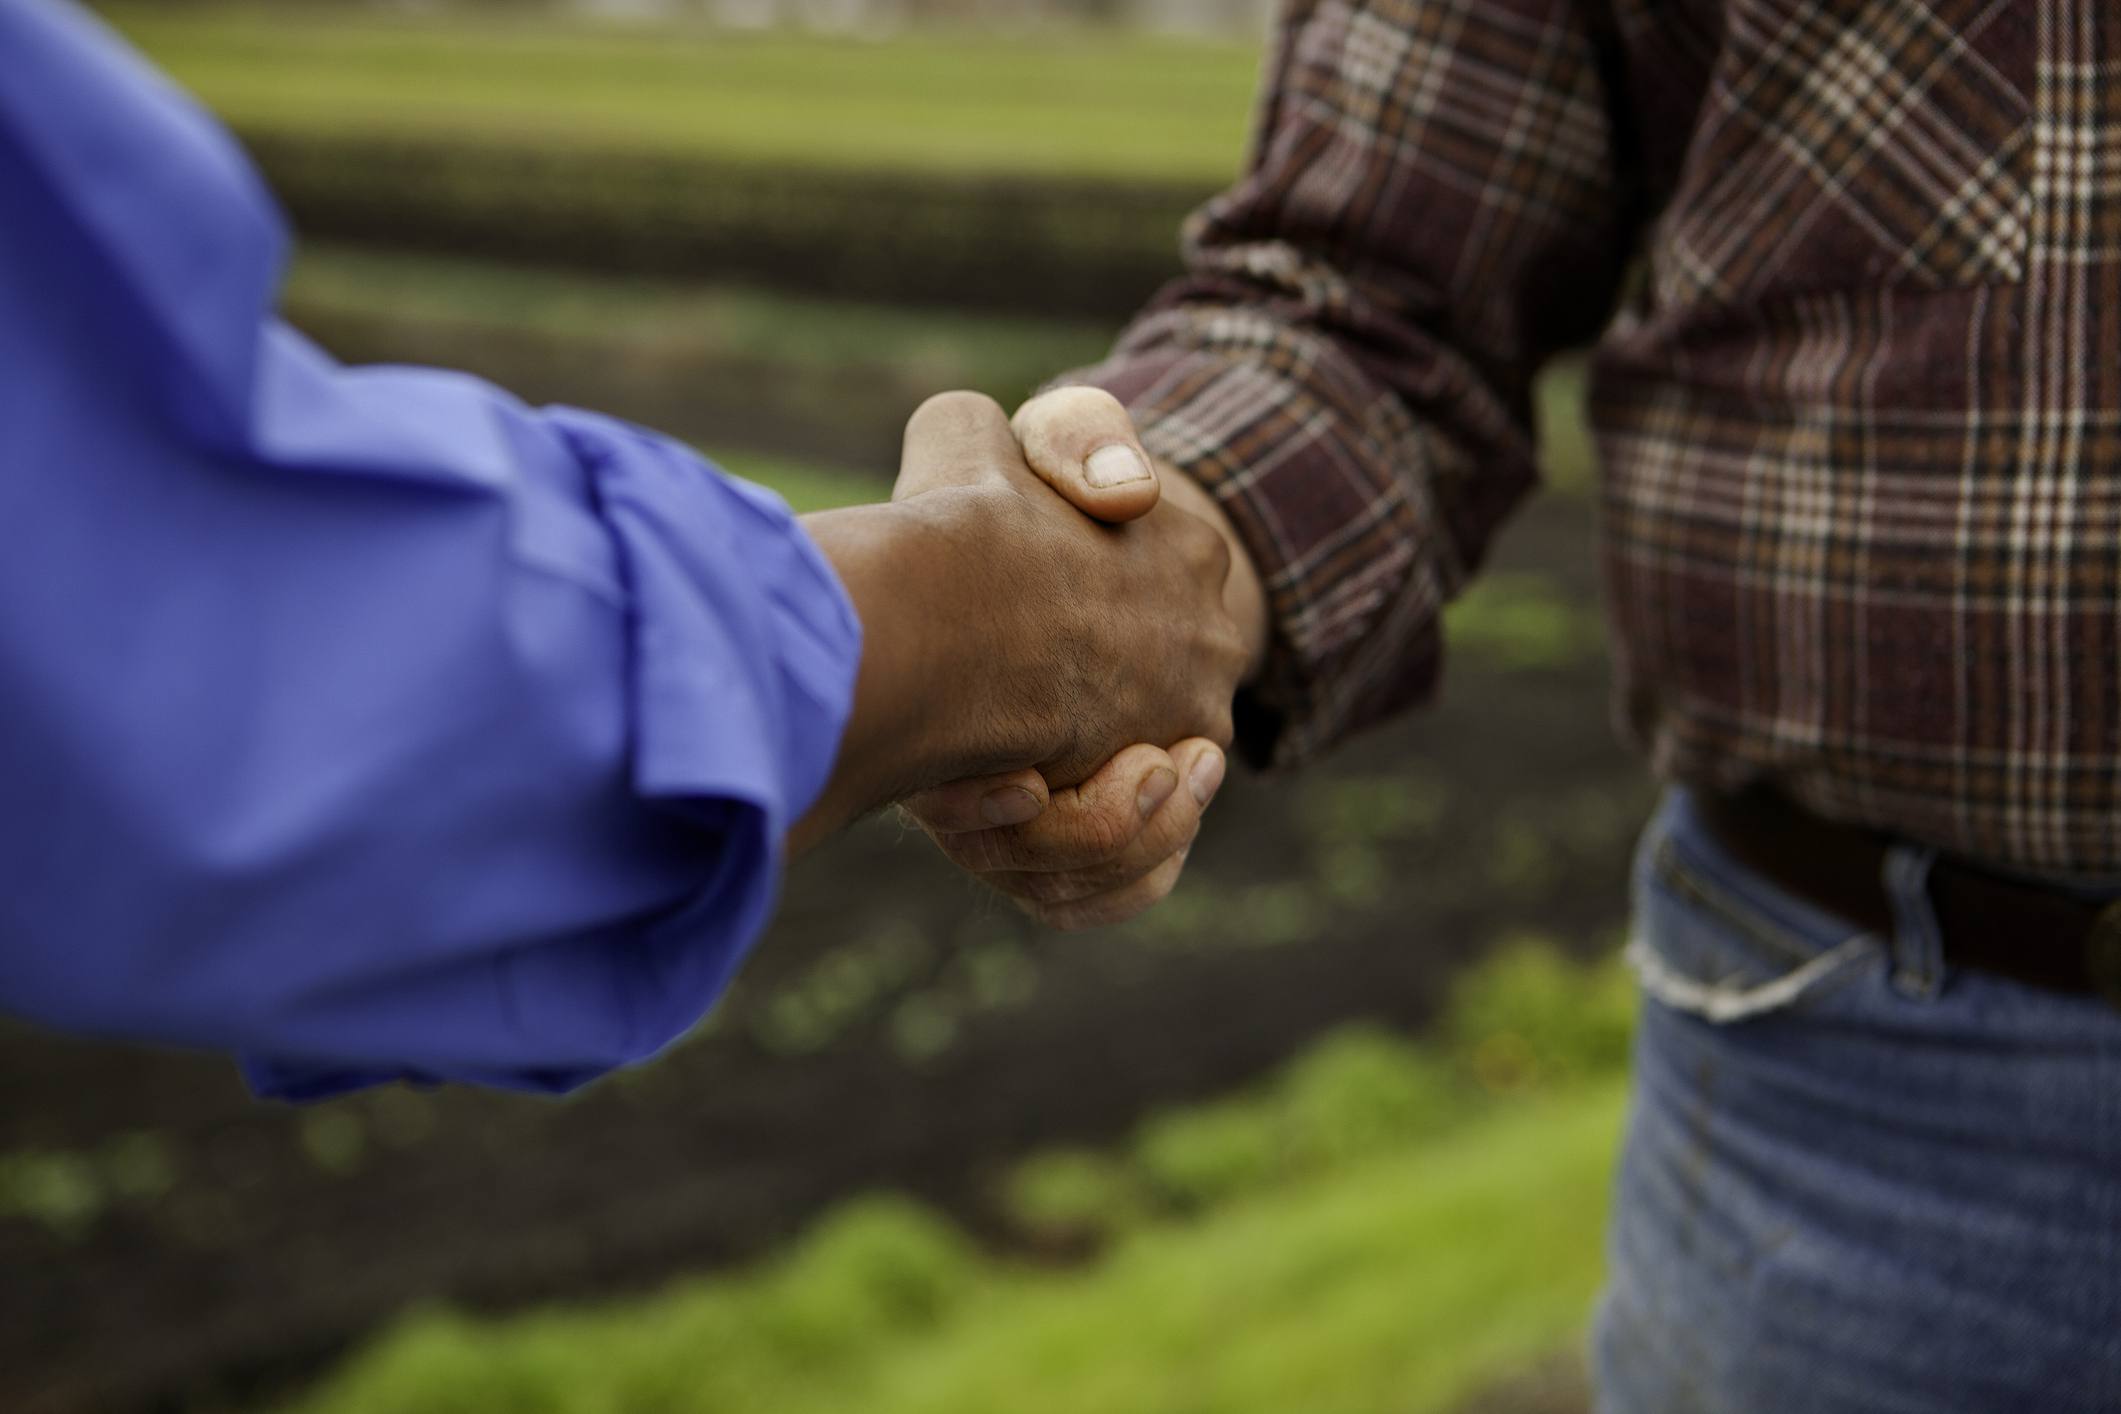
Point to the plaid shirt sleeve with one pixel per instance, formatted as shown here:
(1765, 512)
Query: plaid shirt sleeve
(1430, 210)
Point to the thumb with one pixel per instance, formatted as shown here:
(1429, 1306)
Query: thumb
(1081, 442)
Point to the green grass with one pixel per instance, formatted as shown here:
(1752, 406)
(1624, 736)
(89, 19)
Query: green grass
(1568, 458)
(1402, 1283)
(600, 339)
(1524, 621)
(1079, 103)
(1359, 1234)
(845, 347)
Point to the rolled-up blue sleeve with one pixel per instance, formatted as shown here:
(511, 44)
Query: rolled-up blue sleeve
(365, 723)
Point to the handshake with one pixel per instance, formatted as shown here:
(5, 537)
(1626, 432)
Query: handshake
(1052, 641)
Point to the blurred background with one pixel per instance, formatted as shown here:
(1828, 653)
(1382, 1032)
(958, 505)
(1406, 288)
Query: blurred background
(1329, 1131)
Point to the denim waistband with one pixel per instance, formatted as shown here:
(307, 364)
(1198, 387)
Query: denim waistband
(1917, 941)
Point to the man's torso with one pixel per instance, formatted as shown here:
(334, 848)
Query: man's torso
(1861, 423)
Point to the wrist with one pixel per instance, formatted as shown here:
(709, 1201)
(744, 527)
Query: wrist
(1244, 593)
(871, 548)
(919, 714)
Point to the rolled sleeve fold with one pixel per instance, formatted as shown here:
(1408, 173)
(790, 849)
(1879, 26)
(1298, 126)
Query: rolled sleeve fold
(680, 526)
(741, 650)
(741, 654)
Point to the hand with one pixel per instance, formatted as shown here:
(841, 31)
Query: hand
(1067, 432)
(1088, 855)
(1005, 630)
(1112, 847)
(1109, 634)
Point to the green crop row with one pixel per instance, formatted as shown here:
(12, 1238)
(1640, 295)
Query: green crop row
(1525, 1021)
(1360, 1233)
(1077, 246)
(824, 381)
(1043, 172)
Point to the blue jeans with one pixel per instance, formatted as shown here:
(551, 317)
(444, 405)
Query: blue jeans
(1853, 1181)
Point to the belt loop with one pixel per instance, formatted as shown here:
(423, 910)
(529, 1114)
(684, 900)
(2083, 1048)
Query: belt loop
(1918, 941)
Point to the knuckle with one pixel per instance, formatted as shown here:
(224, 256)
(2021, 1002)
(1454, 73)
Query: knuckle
(1172, 828)
(960, 408)
(1182, 844)
(1106, 832)
(1211, 551)
(957, 402)
(1116, 874)
(1220, 724)
(978, 851)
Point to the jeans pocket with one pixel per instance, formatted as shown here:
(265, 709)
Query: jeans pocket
(1714, 939)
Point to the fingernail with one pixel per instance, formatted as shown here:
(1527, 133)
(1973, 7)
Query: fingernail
(1157, 789)
(1115, 465)
(1206, 776)
(1011, 805)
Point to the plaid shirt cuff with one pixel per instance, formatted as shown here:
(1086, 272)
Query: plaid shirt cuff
(1350, 551)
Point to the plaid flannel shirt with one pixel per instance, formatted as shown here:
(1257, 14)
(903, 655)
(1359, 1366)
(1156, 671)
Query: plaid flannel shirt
(1859, 424)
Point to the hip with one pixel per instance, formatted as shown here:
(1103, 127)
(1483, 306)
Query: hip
(1841, 1191)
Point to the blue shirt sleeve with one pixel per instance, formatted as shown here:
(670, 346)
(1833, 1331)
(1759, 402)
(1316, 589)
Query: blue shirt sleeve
(364, 722)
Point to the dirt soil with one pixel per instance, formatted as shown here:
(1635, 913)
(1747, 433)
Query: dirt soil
(897, 1029)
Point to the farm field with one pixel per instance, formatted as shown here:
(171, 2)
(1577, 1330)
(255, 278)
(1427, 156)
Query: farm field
(797, 377)
(779, 386)
(922, 1147)
(170, 1243)
(1259, 1254)
(1045, 172)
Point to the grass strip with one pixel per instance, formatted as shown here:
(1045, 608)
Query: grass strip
(1402, 1283)
(1384, 1225)
(1079, 103)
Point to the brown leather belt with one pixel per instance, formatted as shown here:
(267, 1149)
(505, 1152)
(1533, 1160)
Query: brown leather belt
(2013, 929)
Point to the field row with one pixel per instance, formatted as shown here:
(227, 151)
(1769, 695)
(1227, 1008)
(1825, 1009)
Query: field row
(1046, 174)
(1085, 103)
(764, 381)
(1383, 1225)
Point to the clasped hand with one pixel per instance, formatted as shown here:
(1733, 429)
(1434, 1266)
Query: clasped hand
(1118, 633)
